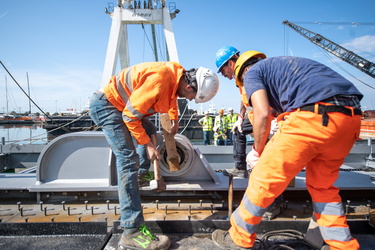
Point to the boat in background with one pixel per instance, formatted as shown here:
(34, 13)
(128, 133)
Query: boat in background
(19, 119)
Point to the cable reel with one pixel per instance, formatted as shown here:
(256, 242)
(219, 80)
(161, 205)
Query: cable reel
(185, 152)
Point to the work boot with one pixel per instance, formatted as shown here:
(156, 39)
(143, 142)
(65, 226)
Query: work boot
(223, 240)
(144, 178)
(237, 173)
(142, 238)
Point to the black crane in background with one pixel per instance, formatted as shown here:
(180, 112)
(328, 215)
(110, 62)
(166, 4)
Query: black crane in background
(346, 55)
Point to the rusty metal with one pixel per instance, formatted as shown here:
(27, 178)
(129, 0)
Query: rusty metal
(230, 196)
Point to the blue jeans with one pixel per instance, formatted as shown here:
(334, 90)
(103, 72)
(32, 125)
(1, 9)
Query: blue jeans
(206, 137)
(109, 118)
(144, 161)
(221, 142)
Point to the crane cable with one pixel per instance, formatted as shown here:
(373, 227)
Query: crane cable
(59, 127)
(342, 68)
(286, 43)
(157, 42)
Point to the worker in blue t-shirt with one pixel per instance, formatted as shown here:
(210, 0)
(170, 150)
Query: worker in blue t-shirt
(319, 122)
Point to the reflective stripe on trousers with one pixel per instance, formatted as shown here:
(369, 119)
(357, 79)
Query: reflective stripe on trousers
(301, 141)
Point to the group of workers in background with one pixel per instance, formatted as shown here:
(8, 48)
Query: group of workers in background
(218, 128)
(318, 122)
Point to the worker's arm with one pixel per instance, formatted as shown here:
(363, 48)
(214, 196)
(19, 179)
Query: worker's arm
(262, 119)
(152, 152)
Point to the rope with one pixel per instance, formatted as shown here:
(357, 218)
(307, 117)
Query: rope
(24, 90)
(183, 112)
(191, 117)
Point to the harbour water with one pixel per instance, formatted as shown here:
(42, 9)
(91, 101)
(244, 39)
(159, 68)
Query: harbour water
(23, 134)
(36, 134)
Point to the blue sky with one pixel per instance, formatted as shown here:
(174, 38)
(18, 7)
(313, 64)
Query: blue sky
(62, 45)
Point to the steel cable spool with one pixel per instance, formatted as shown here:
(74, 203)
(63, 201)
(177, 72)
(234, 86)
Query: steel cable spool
(185, 152)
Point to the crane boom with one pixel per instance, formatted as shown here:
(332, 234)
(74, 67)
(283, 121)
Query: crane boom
(346, 55)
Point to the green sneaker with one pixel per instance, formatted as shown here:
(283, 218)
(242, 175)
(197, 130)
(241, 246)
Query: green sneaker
(144, 178)
(143, 239)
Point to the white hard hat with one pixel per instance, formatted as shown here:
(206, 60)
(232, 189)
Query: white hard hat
(207, 85)
(230, 109)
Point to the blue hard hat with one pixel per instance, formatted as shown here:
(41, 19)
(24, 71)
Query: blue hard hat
(224, 54)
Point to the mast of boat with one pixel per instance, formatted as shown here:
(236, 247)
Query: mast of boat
(28, 91)
(6, 95)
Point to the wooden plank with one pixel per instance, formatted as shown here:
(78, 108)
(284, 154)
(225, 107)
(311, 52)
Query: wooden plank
(170, 143)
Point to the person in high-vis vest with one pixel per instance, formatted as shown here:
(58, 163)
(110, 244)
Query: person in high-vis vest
(220, 137)
(231, 119)
(221, 132)
(120, 109)
(207, 125)
(319, 122)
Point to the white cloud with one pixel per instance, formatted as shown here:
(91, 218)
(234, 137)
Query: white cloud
(361, 44)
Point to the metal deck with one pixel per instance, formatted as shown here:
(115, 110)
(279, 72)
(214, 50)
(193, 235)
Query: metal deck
(55, 207)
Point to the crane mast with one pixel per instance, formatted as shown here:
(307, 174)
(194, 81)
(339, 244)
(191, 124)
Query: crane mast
(346, 55)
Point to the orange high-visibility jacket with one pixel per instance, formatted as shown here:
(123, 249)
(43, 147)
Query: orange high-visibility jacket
(143, 90)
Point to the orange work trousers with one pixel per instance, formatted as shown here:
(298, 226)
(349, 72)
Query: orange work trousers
(301, 141)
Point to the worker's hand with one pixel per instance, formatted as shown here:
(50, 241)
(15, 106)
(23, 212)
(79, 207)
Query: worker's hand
(252, 158)
(152, 151)
(274, 127)
(174, 127)
(237, 125)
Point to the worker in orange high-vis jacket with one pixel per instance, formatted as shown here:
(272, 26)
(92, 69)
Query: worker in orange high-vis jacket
(121, 109)
(319, 122)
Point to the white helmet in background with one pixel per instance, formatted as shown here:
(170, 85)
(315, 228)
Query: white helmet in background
(230, 109)
(207, 85)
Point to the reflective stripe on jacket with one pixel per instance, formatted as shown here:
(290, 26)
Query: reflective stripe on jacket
(142, 90)
(244, 98)
(231, 119)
